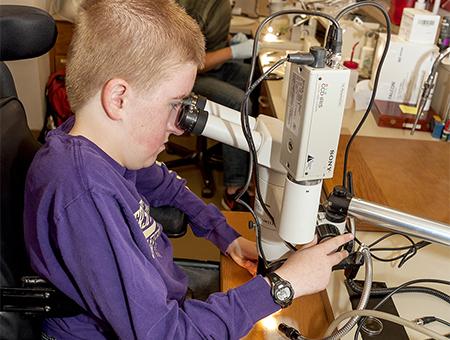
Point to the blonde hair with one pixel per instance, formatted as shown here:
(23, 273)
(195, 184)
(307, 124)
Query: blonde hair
(140, 41)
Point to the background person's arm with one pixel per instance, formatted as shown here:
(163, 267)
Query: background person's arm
(216, 58)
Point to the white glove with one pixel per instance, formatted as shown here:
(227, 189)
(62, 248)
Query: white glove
(238, 38)
(242, 50)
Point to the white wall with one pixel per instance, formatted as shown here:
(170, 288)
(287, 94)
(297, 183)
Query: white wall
(31, 75)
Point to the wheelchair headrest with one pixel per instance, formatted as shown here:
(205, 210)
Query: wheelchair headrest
(26, 32)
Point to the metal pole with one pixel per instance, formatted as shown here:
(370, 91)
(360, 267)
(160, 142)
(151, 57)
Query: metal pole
(399, 221)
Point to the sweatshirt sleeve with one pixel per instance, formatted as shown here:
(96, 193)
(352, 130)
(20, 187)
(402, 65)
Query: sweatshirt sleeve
(115, 281)
(161, 186)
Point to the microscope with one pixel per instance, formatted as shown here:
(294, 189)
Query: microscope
(296, 155)
(291, 158)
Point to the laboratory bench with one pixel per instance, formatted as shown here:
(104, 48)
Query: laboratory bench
(389, 167)
(311, 314)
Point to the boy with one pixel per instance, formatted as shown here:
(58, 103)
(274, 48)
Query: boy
(90, 190)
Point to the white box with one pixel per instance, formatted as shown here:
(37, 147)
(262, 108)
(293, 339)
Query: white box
(354, 31)
(419, 26)
(405, 69)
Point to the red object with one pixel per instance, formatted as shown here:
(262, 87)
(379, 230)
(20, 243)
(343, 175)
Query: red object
(396, 10)
(351, 64)
(388, 114)
(57, 103)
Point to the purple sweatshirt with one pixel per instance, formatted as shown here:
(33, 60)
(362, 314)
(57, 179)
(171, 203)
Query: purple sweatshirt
(89, 231)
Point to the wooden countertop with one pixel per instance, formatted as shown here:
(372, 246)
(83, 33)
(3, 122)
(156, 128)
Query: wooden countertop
(310, 314)
(409, 175)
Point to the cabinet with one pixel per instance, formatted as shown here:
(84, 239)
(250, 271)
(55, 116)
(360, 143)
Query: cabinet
(58, 54)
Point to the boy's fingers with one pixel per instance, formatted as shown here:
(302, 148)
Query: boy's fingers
(309, 245)
(335, 242)
(251, 267)
(335, 258)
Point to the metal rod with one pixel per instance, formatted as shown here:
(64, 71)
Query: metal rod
(399, 221)
(427, 87)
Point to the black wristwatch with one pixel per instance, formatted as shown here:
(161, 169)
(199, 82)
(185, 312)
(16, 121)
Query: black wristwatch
(282, 291)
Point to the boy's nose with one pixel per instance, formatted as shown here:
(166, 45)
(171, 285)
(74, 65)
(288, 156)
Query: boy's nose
(174, 130)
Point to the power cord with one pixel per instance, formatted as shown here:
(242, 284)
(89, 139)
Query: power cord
(389, 317)
(345, 11)
(428, 319)
(379, 292)
(410, 250)
(394, 291)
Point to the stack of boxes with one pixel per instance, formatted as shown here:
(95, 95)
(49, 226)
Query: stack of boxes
(407, 65)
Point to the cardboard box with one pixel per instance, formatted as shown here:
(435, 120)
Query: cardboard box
(405, 69)
(388, 114)
(419, 26)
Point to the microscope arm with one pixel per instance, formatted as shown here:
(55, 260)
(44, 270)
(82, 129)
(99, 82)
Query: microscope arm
(223, 124)
(398, 221)
(340, 203)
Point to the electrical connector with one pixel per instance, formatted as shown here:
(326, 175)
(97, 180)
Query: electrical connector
(301, 58)
(290, 332)
(424, 320)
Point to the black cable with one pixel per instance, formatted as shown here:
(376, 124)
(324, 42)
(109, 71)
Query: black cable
(248, 136)
(394, 291)
(380, 292)
(374, 243)
(419, 245)
(444, 322)
(377, 74)
(428, 319)
(254, 164)
(411, 250)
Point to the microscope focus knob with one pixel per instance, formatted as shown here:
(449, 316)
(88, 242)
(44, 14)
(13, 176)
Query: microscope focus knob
(339, 191)
(326, 231)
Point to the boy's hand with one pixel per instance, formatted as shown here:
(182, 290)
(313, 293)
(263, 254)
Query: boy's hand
(309, 270)
(244, 253)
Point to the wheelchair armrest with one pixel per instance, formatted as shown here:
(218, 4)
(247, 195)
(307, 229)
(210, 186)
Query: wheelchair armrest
(37, 298)
(173, 221)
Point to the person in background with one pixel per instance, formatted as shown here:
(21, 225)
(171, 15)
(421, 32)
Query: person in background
(223, 79)
(91, 189)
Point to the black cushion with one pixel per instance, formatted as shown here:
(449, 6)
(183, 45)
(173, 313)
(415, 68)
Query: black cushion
(26, 32)
(7, 87)
(18, 147)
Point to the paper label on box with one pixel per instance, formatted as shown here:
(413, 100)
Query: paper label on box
(410, 110)
(404, 71)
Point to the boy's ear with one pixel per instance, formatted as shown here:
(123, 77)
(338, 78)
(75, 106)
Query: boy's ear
(114, 97)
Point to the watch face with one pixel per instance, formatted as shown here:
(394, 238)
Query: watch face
(281, 290)
(283, 293)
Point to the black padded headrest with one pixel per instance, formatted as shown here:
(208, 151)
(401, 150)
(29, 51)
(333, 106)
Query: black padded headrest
(26, 32)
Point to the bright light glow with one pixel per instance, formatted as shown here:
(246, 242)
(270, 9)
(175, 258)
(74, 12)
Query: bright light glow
(270, 29)
(270, 37)
(270, 323)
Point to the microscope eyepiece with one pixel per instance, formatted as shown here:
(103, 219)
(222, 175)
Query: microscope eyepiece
(192, 116)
